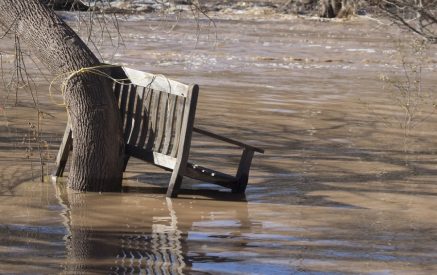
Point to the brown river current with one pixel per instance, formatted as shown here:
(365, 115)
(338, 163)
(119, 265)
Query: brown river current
(341, 189)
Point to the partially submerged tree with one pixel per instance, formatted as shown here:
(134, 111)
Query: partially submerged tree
(98, 145)
(97, 160)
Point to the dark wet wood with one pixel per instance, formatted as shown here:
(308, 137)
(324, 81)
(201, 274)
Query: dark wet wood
(64, 151)
(205, 174)
(158, 121)
(243, 171)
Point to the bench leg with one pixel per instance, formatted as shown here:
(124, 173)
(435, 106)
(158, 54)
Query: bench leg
(64, 151)
(174, 185)
(243, 172)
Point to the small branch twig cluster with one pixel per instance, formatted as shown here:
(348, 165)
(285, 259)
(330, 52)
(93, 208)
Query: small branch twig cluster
(418, 16)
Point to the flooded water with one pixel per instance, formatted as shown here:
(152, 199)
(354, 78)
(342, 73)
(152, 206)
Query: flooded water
(341, 189)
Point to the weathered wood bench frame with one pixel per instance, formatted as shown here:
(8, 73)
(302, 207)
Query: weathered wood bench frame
(158, 121)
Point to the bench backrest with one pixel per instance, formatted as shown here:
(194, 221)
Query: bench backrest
(157, 115)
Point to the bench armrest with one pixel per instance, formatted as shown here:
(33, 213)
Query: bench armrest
(228, 140)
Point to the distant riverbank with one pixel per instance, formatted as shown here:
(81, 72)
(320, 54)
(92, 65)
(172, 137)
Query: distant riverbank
(303, 7)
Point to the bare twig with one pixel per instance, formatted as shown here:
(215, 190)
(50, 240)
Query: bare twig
(420, 17)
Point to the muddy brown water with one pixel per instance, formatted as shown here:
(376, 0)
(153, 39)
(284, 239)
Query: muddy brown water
(340, 190)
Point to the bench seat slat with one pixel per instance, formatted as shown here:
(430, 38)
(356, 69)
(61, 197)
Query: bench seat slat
(158, 159)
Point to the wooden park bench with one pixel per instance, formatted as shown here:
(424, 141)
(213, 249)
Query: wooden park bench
(158, 121)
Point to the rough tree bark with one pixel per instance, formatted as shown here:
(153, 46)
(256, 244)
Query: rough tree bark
(98, 145)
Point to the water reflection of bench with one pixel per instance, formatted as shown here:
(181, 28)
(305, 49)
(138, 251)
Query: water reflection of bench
(158, 121)
(163, 252)
(127, 234)
(168, 248)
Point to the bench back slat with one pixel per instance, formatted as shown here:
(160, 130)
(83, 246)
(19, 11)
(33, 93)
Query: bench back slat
(153, 112)
(116, 88)
(136, 118)
(180, 104)
(130, 111)
(153, 117)
(162, 111)
(147, 100)
(123, 102)
(169, 124)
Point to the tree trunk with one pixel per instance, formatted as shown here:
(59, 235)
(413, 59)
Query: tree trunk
(92, 244)
(98, 146)
(337, 8)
